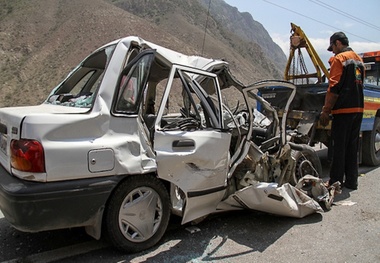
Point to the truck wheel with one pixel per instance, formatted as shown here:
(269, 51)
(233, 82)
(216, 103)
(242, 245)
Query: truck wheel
(371, 145)
(137, 214)
(307, 162)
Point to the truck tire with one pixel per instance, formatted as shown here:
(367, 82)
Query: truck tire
(371, 145)
(137, 214)
(307, 162)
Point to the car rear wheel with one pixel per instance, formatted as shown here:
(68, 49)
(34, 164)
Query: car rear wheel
(137, 214)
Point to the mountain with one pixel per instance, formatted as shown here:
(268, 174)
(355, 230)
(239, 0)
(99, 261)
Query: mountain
(190, 19)
(245, 27)
(42, 40)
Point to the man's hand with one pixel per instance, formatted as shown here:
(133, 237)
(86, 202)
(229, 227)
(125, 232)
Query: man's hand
(330, 100)
(324, 118)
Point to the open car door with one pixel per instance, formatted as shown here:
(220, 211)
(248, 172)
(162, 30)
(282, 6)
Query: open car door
(192, 149)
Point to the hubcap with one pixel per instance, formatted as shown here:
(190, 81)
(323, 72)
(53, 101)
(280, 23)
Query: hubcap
(304, 167)
(140, 214)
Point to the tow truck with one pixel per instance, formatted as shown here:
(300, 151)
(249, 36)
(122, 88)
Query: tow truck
(302, 120)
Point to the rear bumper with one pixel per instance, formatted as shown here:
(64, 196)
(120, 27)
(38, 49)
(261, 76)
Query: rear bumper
(32, 206)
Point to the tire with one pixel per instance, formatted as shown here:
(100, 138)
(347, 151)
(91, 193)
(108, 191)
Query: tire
(326, 206)
(137, 214)
(303, 161)
(371, 145)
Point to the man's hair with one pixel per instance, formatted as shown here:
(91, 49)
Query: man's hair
(344, 41)
(338, 36)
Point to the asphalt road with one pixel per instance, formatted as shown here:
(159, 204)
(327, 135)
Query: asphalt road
(350, 232)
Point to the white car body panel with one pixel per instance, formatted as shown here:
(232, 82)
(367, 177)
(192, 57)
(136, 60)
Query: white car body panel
(202, 166)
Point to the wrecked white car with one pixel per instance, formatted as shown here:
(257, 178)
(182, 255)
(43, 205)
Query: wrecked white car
(137, 132)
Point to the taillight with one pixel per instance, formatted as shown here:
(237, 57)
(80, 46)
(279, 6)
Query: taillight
(27, 156)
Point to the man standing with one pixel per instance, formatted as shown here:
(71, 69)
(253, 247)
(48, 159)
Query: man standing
(344, 100)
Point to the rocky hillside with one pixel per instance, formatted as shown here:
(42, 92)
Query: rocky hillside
(188, 19)
(42, 40)
(250, 31)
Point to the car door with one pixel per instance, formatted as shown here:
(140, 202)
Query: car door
(251, 91)
(192, 149)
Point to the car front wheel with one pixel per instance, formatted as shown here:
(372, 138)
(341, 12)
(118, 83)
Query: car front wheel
(137, 214)
(307, 162)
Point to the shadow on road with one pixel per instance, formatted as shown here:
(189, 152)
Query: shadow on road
(252, 231)
(17, 244)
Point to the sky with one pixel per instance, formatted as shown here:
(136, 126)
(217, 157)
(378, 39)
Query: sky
(319, 19)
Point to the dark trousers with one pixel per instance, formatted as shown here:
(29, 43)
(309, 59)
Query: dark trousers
(345, 132)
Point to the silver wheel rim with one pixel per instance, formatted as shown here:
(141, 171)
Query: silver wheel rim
(302, 169)
(377, 142)
(140, 214)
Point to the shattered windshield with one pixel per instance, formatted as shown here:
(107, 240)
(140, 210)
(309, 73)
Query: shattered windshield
(80, 87)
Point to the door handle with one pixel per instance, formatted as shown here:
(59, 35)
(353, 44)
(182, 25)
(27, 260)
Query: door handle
(183, 143)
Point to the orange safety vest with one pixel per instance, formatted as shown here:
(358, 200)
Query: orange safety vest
(346, 80)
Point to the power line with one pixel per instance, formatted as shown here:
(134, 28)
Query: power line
(357, 19)
(317, 20)
(204, 35)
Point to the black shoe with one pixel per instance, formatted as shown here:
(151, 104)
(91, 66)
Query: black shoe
(351, 186)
